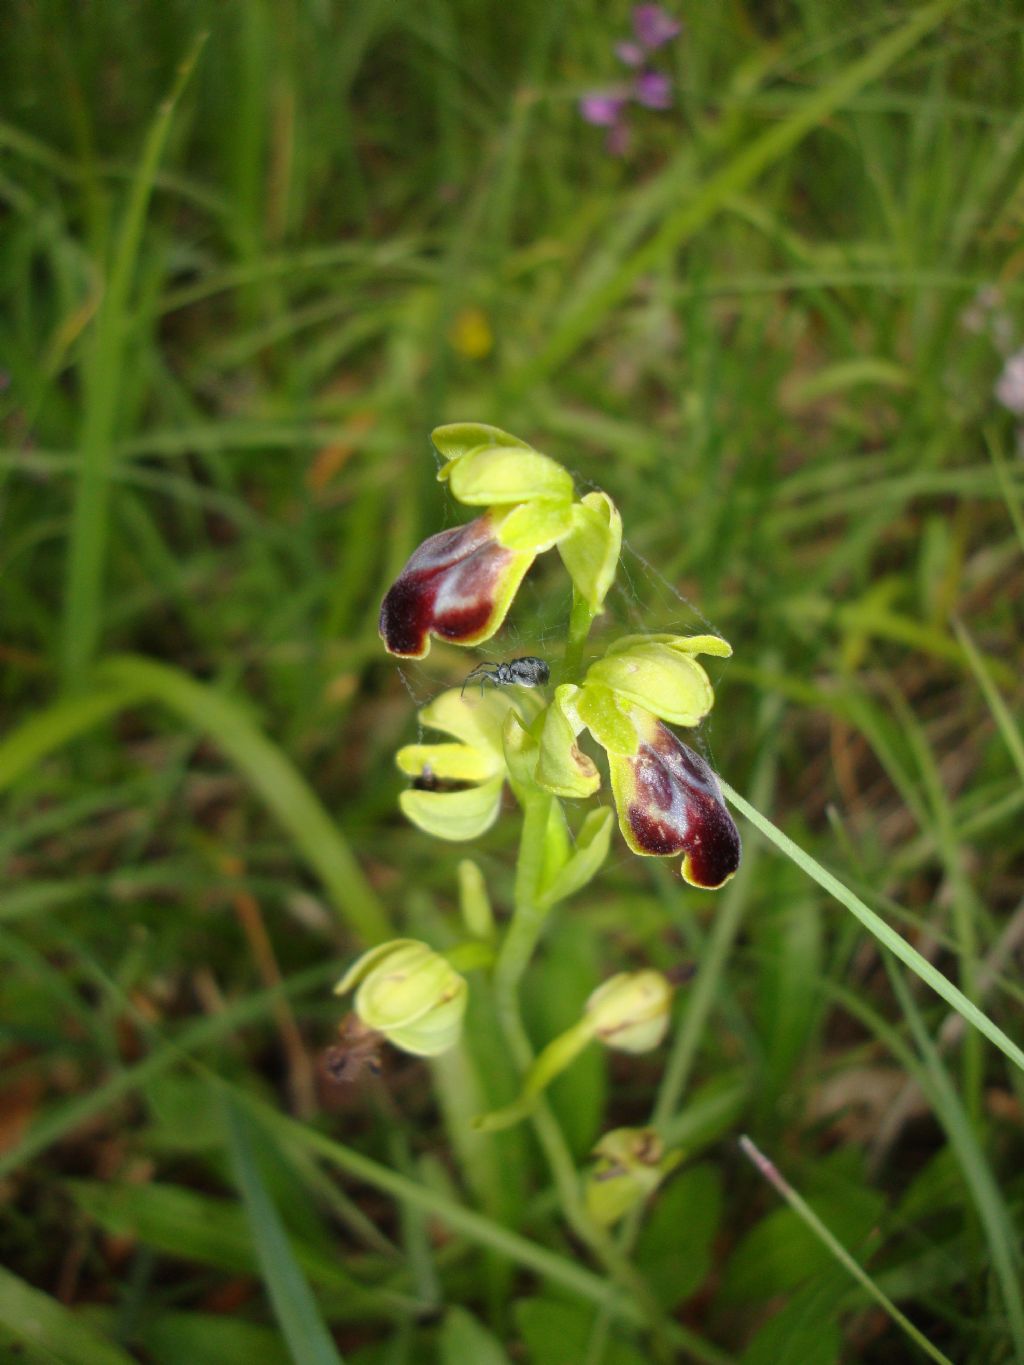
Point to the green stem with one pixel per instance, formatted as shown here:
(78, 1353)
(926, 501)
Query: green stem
(581, 618)
(513, 958)
(527, 918)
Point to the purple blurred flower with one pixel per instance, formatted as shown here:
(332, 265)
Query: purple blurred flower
(603, 108)
(650, 88)
(653, 89)
(630, 54)
(653, 26)
(1010, 385)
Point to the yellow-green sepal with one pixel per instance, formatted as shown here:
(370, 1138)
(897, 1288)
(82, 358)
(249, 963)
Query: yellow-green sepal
(590, 551)
(478, 719)
(437, 1030)
(496, 476)
(563, 768)
(533, 527)
(682, 644)
(521, 751)
(458, 815)
(663, 680)
(448, 762)
(456, 439)
(604, 718)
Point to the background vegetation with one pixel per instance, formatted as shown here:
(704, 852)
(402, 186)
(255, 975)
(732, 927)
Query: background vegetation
(235, 299)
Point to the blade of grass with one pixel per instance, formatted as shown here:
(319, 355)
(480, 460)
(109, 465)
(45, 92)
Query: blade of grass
(24, 748)
(294, 1305)
(102, 383)
(580, 321)
(56, 1123)
(1010, 494)
(271, 773)
(804, 1211)
(43, 1324)
(929, 1072)
(1003, 1241)
(878, 927)
(1000, 711)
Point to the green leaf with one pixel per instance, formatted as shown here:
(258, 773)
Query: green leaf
(674, 1249)
(781, 1251)
(463, 1341)
(557, 1333)
(294, 1305)
(790, 943)
(45, 1325)
(801, 1333)
(212, 1339)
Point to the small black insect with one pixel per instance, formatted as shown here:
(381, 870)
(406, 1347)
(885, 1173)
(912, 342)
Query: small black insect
(525, 672)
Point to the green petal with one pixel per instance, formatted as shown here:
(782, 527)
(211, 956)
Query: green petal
(449, 762)
(478, 718)
(436, 1031)
(521, 751)
(459, 438)
(403, 986)
(591, 550)
(662, 680)
(564, 769)
(534, 526)
(365, 964)
(586, 860)
(454, 815)
(683, 644)
(610, 726)
(495, 476)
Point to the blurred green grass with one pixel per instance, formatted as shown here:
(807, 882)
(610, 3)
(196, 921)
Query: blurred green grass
(226, 329)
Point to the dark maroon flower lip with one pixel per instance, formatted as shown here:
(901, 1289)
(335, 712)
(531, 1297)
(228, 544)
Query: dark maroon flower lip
(670, 802)
(457, 586)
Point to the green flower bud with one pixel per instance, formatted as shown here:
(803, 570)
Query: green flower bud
(591, 549)
(631, 1164)
(630, 1011)
(410, 994)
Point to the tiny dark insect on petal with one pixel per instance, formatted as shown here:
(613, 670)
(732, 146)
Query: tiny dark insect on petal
(528, 671)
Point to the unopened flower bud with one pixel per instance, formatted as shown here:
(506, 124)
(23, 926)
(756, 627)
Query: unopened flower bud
(410, 994)
(631, 1164)
(630, 1011)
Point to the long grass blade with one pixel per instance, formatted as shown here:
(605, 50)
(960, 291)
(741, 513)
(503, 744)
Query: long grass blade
(42, 1324)
(294, 1305)
(271, 773)
(878, 927)
(804, 1211)
(103, 375)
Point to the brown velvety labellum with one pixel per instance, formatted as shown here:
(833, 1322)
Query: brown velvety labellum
(448, 588)
(677, 807)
